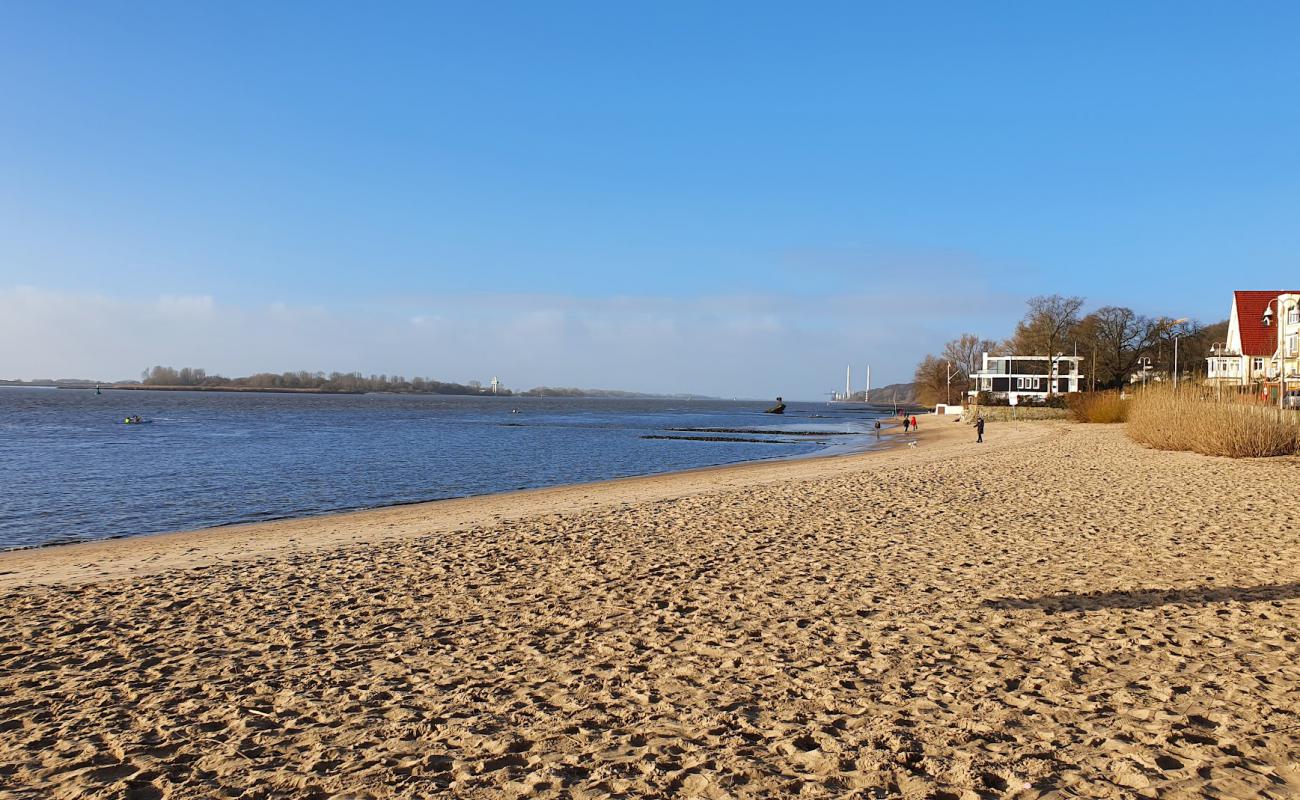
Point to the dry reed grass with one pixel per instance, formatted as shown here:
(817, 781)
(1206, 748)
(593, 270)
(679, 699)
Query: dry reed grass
(1103, 407)
(1190, 420)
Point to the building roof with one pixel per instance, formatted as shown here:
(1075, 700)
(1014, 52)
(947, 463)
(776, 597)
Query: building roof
(1257, 339)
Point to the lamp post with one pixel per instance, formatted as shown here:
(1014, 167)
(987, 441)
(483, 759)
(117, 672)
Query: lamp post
(1172, 325)
(1281, 353)
(1216, 356)
(1145, 363)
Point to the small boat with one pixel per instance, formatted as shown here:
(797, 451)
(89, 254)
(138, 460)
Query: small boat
(134, 421)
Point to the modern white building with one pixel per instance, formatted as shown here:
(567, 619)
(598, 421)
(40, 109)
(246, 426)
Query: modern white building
(1017, 378)
(1262, 342)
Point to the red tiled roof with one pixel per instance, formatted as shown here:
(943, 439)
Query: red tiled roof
(1257, 339)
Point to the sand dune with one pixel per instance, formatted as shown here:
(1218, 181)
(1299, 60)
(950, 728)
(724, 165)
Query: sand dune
(1059, 613)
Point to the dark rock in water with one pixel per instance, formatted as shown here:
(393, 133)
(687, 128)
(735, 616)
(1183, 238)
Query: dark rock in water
(779, 408)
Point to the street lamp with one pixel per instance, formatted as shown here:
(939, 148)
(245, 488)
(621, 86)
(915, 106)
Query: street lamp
(947, 367)
(1145, 363)
(1216, 355)
(1178, 321)
(1281, 353)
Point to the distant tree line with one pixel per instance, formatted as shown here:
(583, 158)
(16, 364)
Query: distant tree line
(1113, 341)
(356, 382)
(317, 381)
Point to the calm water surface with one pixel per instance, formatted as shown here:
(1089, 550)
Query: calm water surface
(71, 471)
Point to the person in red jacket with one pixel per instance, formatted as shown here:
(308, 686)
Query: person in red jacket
(913, 422)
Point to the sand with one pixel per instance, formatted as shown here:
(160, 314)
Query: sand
(1057, 613)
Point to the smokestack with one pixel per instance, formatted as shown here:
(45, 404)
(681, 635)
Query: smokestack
(866, 397)
(848, 382)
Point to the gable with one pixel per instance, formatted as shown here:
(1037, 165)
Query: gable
(1257, 339)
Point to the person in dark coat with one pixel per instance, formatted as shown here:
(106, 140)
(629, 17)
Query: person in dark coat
(906, 422)
(979, 429)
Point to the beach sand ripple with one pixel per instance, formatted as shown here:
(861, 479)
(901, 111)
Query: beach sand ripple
(1075, 617)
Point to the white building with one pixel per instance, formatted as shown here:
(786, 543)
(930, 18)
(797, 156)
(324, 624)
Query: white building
(1263, 329)
(1017, 378)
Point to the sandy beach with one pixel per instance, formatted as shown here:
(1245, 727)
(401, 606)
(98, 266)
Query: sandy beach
(1056, 613)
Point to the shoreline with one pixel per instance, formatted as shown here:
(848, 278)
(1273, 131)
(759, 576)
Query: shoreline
(828, 450)
(132, 555)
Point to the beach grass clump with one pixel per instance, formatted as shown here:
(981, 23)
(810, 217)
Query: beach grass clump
(1235, 427)
(1101, 407)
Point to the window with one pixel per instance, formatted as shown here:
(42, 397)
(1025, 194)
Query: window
(1290, 344)
(1257, 365)
(1293, 316)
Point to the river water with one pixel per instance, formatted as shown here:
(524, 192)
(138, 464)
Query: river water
(71, 471)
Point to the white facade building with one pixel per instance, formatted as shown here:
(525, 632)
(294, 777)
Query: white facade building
(1018, 378)
(1263, 340)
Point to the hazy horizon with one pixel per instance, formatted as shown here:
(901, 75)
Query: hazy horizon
(734, 200)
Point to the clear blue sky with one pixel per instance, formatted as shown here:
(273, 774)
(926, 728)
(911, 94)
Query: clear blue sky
(733, 198)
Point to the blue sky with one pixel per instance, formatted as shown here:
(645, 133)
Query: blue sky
(731, 198)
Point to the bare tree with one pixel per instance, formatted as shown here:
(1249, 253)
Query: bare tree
(1163, 332)
(965, 352)
(931, 380)
(1196, 347)
(1115, 338)
(1047, 326)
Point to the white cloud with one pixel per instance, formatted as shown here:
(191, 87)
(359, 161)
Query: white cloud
(750, 345)
(185, 305)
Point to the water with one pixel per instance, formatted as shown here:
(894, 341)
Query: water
(71, 471)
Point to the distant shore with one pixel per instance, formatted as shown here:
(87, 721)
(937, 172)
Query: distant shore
(258, 389)
(595, 394)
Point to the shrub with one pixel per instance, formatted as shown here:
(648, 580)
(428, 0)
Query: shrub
(1103, 407)
(1235, 427)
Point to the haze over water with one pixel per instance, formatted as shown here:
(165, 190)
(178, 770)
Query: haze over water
(73, 472)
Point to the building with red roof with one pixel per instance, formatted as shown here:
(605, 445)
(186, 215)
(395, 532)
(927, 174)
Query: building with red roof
(1263, 329)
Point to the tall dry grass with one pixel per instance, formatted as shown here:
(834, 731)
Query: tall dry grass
(1104, 407)
(1192, 420)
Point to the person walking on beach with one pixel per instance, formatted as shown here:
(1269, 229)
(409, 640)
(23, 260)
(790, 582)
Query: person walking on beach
(906, 421)
(979, 429)
(913, 422)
